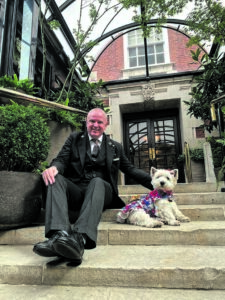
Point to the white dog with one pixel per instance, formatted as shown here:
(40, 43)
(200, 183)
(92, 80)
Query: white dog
(157, 207)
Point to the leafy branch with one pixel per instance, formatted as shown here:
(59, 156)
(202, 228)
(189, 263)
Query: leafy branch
(97, 9)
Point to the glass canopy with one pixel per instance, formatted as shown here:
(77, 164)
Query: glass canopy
(114, 21)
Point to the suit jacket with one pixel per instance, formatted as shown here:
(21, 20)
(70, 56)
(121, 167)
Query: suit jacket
(70, 163)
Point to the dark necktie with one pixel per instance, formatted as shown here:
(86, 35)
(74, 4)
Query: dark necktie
(96, 149)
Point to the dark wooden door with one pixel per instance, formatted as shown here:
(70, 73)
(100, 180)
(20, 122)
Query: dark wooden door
(153, 139)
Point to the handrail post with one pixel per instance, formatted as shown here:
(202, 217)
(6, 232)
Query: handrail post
(187, 162)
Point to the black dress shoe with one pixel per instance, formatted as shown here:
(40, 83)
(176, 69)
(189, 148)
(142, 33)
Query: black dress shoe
(45, 248)
(70, 247)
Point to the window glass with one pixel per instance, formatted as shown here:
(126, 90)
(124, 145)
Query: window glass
(136, 50)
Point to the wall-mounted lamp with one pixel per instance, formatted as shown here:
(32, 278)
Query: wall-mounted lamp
(213, 112)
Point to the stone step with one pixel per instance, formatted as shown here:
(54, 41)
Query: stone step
(174, 267)
(194, 212)
(37, 292)
(206, 212)
(188, 198)
(194, 233)
(195, 187)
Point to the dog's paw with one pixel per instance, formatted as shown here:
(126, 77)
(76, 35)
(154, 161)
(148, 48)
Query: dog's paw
(174, 222)
(157, 223)
(184, 219)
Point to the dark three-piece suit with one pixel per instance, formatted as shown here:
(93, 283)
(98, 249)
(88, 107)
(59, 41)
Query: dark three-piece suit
(86, 185)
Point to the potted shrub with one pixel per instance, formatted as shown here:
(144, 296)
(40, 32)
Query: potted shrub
(24, 142)
(13, 83)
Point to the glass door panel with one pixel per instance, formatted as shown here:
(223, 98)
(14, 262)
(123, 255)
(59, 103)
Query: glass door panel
(152, 142)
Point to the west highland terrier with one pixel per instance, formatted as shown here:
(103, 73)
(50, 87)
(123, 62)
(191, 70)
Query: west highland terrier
(157, 207)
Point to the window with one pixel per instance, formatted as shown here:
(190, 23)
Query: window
(199, 132)
(155, 48)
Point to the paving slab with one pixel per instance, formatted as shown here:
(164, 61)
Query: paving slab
(37, 292)
(189, 267)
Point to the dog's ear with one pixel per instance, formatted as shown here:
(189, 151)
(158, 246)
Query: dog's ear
(153, 171)
(175, 171)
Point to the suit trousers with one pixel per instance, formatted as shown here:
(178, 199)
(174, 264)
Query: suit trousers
(88, 199)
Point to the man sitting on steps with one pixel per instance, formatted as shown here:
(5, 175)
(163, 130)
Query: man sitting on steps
(83, 178)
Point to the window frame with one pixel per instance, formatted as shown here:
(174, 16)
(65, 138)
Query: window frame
(127, 47)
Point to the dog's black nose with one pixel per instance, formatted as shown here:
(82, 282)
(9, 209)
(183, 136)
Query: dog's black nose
(162, 183)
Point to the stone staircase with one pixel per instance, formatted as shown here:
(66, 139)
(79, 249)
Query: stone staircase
(130, 262)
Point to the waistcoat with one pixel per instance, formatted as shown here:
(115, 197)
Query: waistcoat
(95, 167)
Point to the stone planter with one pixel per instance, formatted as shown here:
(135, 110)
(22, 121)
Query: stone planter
(58, 135)
(20, 199)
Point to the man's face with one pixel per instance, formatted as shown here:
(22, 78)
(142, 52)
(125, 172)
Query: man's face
(96, 123)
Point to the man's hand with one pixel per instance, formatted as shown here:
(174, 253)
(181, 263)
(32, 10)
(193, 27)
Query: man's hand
(49, 175)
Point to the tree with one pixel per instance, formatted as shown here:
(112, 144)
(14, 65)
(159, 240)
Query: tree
(207, 24)
(97, 9)
(160, 9)
(206, 21)
(208, 86)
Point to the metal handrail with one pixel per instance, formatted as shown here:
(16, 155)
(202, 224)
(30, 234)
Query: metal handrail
(187, 162)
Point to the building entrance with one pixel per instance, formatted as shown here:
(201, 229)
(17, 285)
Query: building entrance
(153, 139)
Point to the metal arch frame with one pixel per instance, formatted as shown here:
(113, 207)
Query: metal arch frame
(132, 27)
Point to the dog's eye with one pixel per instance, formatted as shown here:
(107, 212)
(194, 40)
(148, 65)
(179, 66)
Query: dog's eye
(168, 178)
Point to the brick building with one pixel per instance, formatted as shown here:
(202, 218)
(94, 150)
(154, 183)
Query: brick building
(148, 115)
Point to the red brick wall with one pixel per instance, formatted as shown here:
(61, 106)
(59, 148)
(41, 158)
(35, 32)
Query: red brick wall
(180, 55)
(111, 62)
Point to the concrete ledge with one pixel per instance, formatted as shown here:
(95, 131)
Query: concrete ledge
(178, 267)
(193, 233)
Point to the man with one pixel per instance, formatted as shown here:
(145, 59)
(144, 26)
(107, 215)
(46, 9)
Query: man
(83, 178)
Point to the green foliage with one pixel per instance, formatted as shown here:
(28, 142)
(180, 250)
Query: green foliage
(181, 158)
(43, 165)
(160, 9)
(83, 96)
(24, 137)
(216, 151)
(197, 154)
(65, 117)
(60, 116)
(84, 43)
(13, 82)
(222, 168)
(54, 24)
(208, 86)
(206, 19)
(206, 22)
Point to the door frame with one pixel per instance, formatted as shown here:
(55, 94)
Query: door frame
(169, 113)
